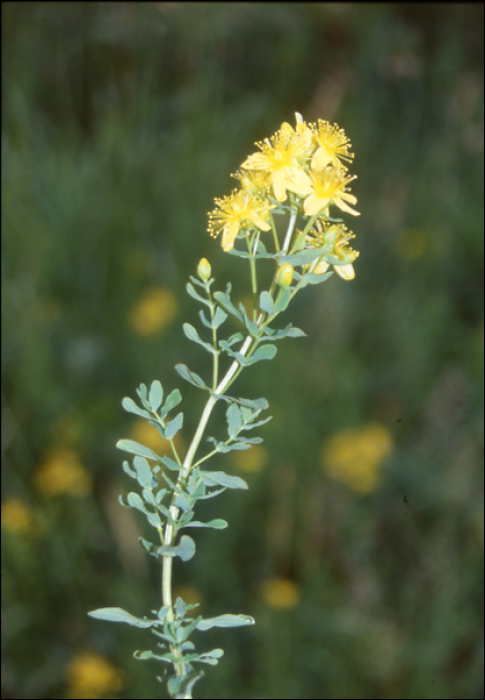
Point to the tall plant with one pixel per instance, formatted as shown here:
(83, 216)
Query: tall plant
(297, 178)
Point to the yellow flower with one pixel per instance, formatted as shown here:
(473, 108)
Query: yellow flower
(329, 187)
(240, 211)
(335, 238)
(18, 518)
(333, 145)
(252, 180)
(154, 311)
(282, 157)
(281, 593)
(91, 676)
(62, 472)
(354, 456)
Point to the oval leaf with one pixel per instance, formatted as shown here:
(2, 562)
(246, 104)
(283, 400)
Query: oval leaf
(120, 615)
(136, 449)
(144, 474)
(225, 621)
(156, 395)
(130, 406)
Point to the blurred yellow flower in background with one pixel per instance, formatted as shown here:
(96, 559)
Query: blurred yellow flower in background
(280, 593)
(155, 310)
(354, 456)
(62, 472)
(19, 519)
(91, 676)
(252, 460)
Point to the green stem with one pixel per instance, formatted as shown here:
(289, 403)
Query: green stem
(247, 348)
(275, 235)
(215, 357)
(252, 245)
(291, 227)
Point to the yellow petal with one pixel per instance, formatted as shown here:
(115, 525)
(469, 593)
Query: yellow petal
(297, 180)
(256, 219)
(279, 186)
(345, 207)
(229, 236)
(256, 161)
(321, 159)
(346, 272)
(314, 204)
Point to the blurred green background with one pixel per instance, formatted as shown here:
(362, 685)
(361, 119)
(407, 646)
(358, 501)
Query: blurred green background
(359, 546)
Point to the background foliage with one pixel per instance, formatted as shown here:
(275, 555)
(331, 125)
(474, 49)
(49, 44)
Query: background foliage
(359, 547)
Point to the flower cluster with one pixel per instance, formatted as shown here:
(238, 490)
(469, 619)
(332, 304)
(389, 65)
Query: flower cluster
(303, 170)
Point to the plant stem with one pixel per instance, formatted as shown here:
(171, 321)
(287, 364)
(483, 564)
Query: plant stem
(246, 349)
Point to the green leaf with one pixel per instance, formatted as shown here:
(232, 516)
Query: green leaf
(223, 479)
(181, 607)
(283, 300)
(173, 426)
(260, 404)
(137, 449)
(156, 395)
(171, 464)
(253, 403)
(129, 470)
(224, 345)
(181, 686)
(252, 327)
(264, 352)
(217, 524)
(215, 653)
(120, 615)
(191, 377)
(145, 655)
(204, 319)
(266, 303)
(144, 473)
(235, 338)
(303, 257)
(172, 400)
(239, 253)
(185, 549)
(210, 657)
(135, 501)
(225, 621)
(130, 406)
(219, 318)
(225, 301)
(296, 333)
(311, 278)
(149, 547)
(192, 334)
(142, 392)
(195, 295)
(234, 420)
(183, 501)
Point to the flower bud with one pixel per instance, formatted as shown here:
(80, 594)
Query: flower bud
(204, 269)
(284, 276)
